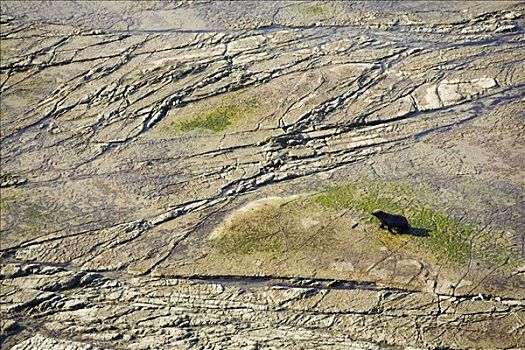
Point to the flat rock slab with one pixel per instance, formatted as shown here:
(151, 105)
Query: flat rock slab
(236, 312)
(132, 132)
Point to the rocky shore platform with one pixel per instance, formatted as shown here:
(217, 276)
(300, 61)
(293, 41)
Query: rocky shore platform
(201, 174)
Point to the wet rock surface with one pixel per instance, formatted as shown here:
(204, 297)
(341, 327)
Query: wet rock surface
(135, 134)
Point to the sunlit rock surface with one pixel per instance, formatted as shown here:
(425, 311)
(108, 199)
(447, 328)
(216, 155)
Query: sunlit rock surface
(145, 147)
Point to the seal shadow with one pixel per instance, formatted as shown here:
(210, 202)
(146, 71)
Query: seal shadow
(417, 231)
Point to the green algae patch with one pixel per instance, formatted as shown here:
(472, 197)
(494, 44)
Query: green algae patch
(311, 224)
(21, 218)
(332, 235)
(7, 198)
(272, 227)
(32, 220)
(315, 10)
(433, 230)
(213, 120)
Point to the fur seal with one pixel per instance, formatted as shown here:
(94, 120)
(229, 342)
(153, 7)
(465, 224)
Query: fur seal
(399, 222)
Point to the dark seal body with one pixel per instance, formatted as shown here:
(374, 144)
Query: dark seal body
(399, 222)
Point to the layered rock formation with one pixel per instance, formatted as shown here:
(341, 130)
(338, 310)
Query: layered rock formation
(136, 134)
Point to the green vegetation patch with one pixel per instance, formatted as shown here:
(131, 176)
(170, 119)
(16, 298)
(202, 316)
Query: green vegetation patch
(33, 220)
(313, 226)
(214, 120)
(5, 207)
(272, 228)
(19, 217)
(315, 10)
(434, 230)
(7, 197)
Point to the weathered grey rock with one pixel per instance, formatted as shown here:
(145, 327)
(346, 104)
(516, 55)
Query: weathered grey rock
(42, 342)
(135, 133)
